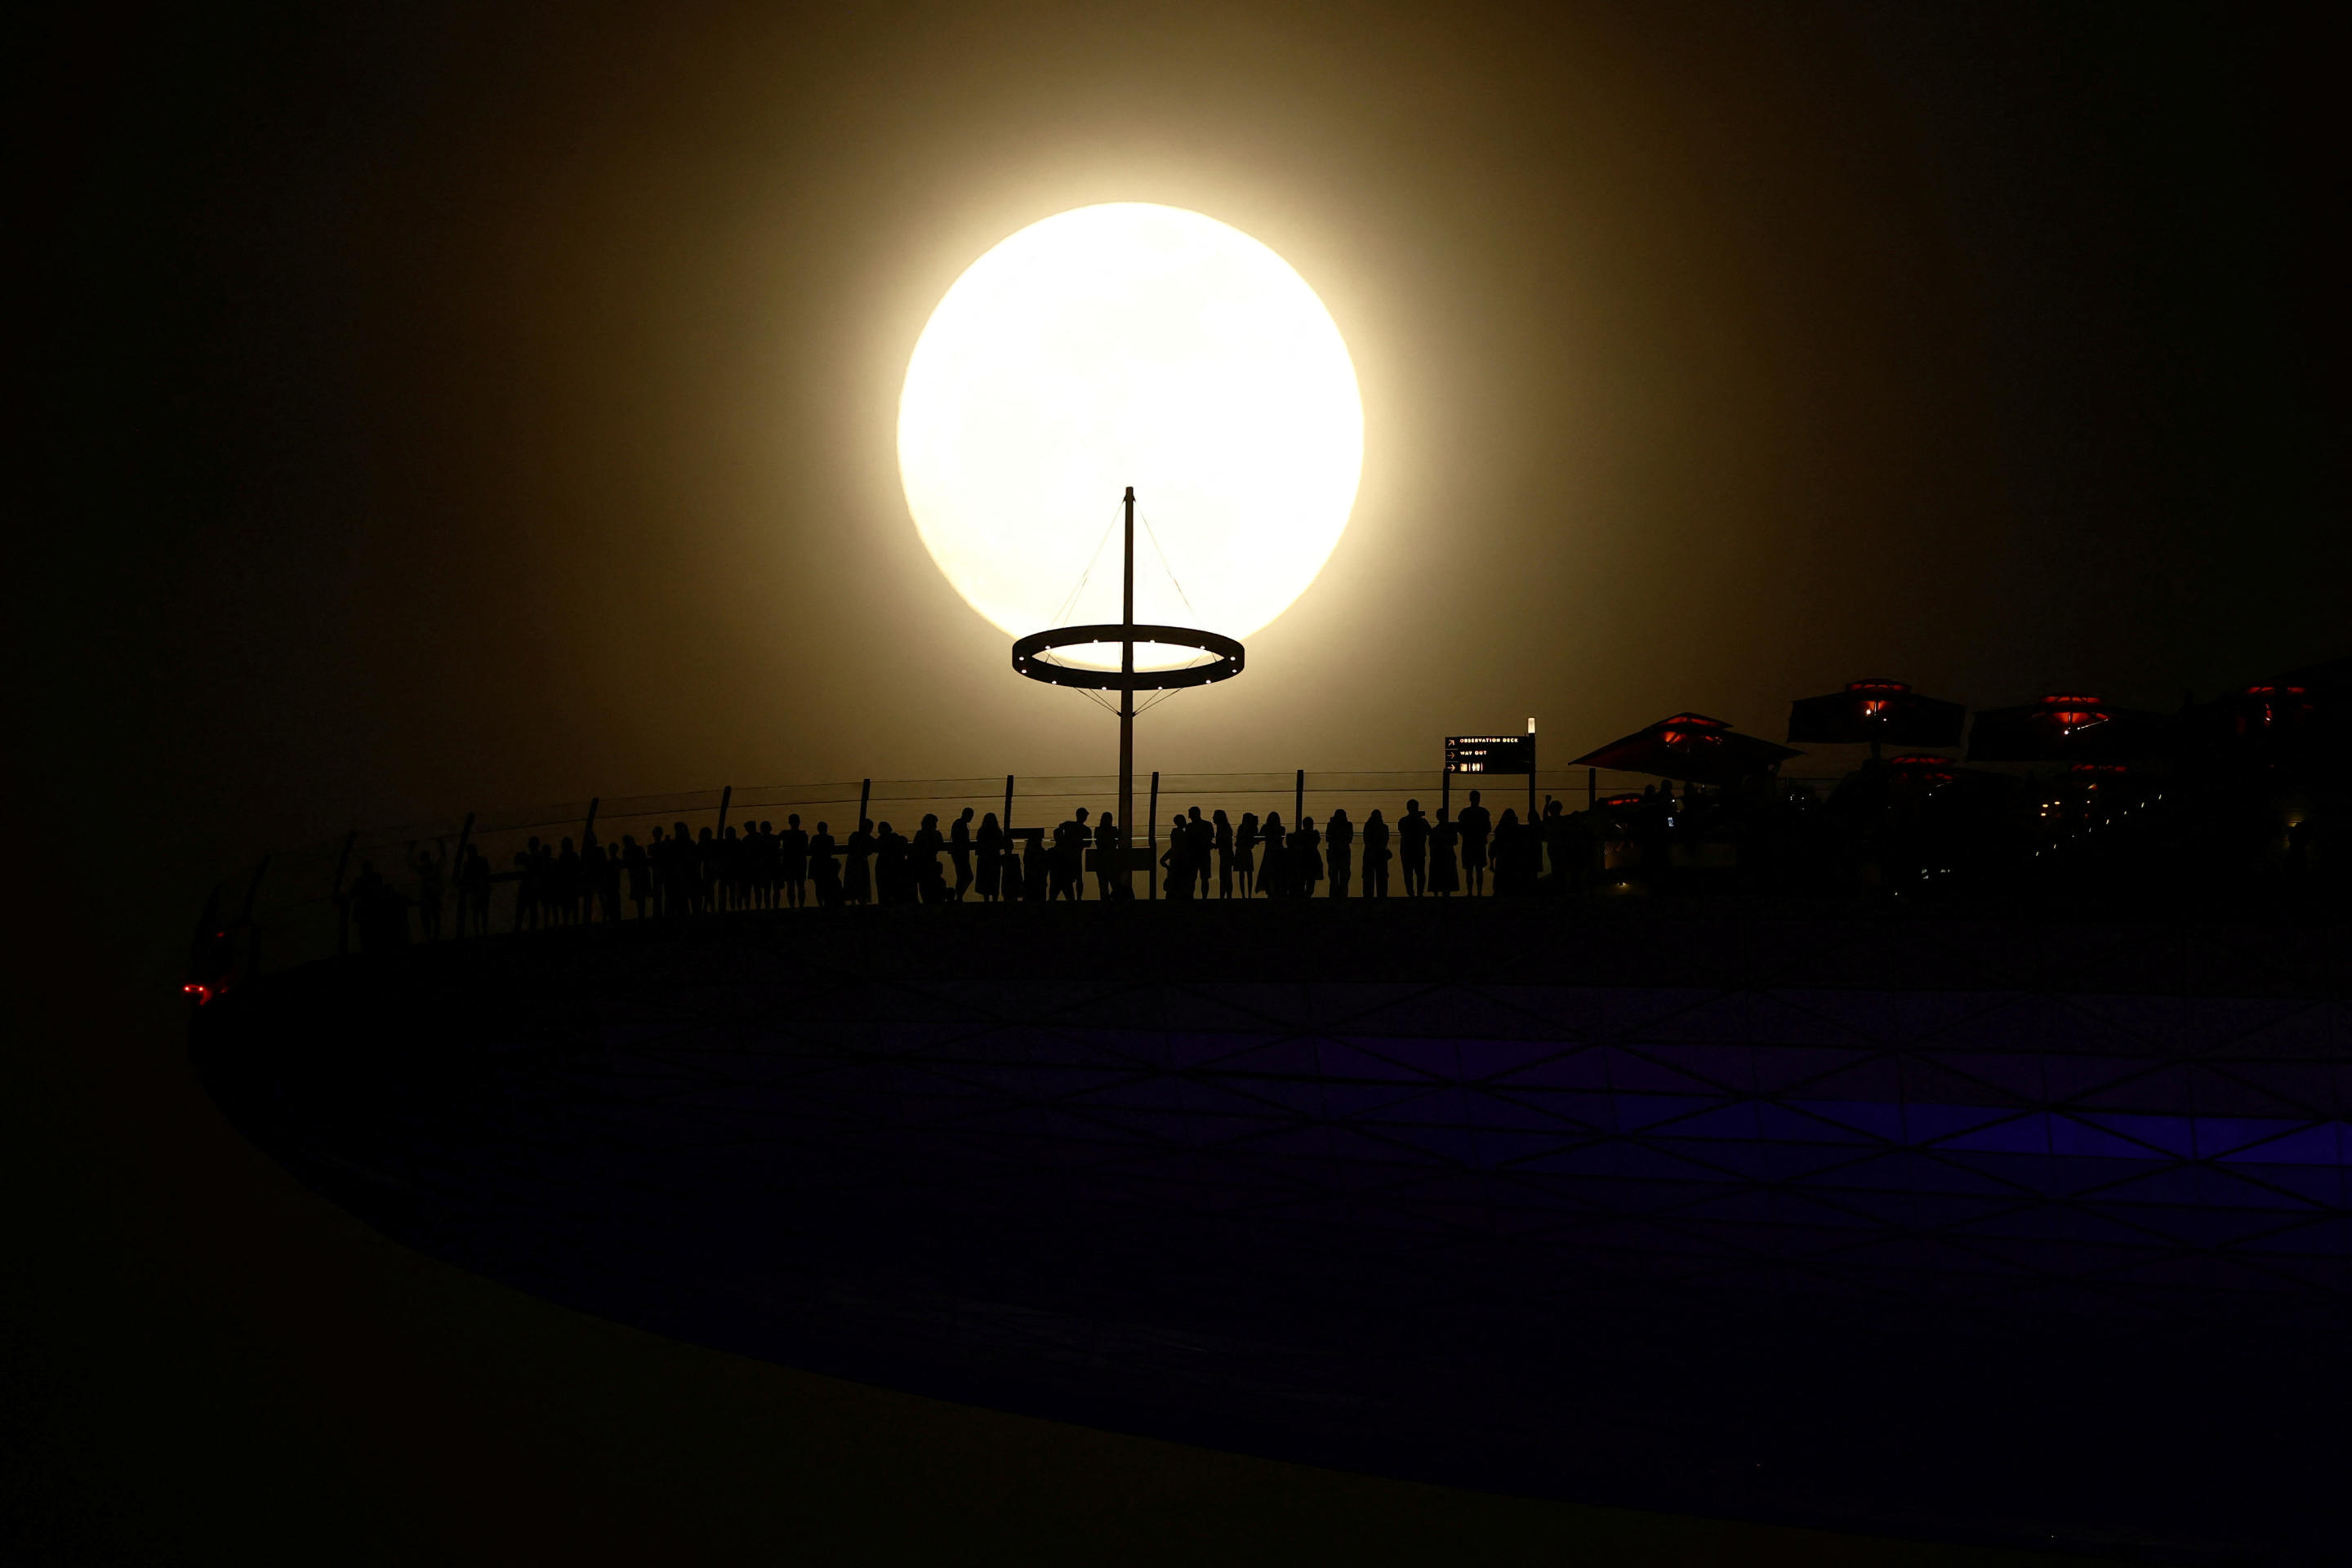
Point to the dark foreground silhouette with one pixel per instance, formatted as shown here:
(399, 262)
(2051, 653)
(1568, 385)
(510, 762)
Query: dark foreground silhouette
(1998, 1230)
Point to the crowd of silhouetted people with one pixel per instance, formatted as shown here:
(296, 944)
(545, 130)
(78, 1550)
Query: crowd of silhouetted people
(679, 871)
(1893, 831)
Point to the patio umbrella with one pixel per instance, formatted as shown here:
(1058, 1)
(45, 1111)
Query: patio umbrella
(1692, 748)
(2304, 715)
(1883, 713)
(2065, 728)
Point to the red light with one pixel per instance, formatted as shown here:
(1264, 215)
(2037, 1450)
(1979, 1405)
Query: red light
(203, 993)
(1686, 729)
(2276, 705)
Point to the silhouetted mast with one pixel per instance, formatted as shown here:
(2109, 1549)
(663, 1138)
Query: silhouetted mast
(1029, 660)
(1127, 696)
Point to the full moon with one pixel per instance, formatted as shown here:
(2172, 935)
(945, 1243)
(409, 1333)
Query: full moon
(1131, 344)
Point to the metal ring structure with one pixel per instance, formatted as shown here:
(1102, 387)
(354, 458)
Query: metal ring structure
(1026, 662)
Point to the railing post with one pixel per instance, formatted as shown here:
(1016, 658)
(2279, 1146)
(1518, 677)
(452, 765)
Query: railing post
(1151, 839)
(1297, 800)
(865, 793)
(725, 795)
(1008, 802)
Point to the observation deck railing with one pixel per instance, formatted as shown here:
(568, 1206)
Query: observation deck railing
(290, 907)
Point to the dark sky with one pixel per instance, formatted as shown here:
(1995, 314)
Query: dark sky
(440, 406)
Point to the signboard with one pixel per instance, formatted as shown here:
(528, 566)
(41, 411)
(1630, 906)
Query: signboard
(1490, 753)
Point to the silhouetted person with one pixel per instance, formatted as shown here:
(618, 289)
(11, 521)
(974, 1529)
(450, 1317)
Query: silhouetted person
(1444, 840)
(959, 854)
(591, 879)
(1376, 856)
(734, 871)
(681, 886)
(1273, 866)
(893, 878)
(1412, 849)
(1222, 841)
(638, 868)
(1200, 846)
(824, 870)
(930, 879)
(659, 863)
(858, 884)
(1477, 827)
(580, 874)
(990, 846)
(474, 891)
(767, 875)
(1246, 843)
(526, 860)
(1066, 869)
(1340, 847)
(792, 861)
(1306, 854)
(1178, 865)
(1513, 842)
(1109, 879)
(429, 864)
(705, 892)
(1057, 861)
(1186, 847)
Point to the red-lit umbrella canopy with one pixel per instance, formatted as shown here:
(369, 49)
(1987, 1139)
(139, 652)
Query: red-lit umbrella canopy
(2304, 714)
(1883, 713)
(1692, 748)
(2064, 727)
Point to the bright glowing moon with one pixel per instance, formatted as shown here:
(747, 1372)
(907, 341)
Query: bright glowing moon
(1131, 344)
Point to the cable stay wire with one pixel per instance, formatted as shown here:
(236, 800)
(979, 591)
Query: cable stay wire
(1165, 565)
(1070, 603)
(1062, 616)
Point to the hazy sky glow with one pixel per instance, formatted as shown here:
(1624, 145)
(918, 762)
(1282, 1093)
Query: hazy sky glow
(1122, 344)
